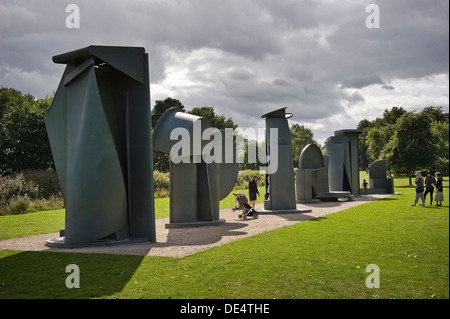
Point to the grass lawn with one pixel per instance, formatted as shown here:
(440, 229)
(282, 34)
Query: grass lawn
(322, 258)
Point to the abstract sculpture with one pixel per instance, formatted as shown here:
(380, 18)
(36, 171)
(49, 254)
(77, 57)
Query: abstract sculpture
(100, 134)
(343, 170)
(312, 175)
(282, 183)
(197, 182)
(377, 178)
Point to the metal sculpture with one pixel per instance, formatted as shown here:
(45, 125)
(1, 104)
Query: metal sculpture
(197, 181)
(282, 183)
(378, 181)
(100, 134)
(343, 172)
(312, 175)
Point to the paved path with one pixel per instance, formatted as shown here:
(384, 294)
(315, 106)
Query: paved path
(180, 242)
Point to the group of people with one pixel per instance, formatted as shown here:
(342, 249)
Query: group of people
(423, 188)
(427, 186)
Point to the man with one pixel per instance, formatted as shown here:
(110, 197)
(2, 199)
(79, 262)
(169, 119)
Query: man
(253, 190)
(419, 189)
(430, 181)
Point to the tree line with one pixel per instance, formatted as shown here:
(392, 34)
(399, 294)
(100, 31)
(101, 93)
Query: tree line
(410, 141)
(301, 136)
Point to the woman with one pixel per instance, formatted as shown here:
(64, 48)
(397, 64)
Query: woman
(253, 190)
(440, 191)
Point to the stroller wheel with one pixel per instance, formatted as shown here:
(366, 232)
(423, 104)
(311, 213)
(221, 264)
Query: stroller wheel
(244, 216)
(240, 216)
(255, 215)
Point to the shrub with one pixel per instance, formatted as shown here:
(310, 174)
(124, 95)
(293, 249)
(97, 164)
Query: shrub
(29, 191)
(19, 205)
(161, 181)
(47, 181)
(16, 186)
(246, 175)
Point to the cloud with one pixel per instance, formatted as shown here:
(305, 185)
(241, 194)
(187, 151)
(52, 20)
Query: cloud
(388, 86)
(248, 57)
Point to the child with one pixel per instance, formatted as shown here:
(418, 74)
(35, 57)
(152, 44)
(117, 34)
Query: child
(366, 192)
(440, 194)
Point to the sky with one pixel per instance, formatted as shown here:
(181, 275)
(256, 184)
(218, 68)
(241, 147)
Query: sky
(331, 63)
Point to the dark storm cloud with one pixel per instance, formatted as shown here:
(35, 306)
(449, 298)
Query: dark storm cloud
(244, 57)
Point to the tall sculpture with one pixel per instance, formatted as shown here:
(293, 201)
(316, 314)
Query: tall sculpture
(282, 183)
(378, 181)
(100, 134)
(196, 185)
(343, 172)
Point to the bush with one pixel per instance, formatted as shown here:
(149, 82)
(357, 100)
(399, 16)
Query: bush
(29, 191)
(246, 175)
(15, 186)
(47, 181)
(18, 205)
(161, 183)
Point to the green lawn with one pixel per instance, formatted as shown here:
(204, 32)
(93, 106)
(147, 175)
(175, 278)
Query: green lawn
(321, 258)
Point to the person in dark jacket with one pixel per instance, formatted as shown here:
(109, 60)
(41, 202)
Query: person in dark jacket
(429, 187)
(440, 190)
(253, 190)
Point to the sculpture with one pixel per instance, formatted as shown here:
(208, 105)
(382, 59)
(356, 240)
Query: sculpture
(343, 172)
(282, 184)
(197, 184)
(312, 174)
(100, 134)
(377, 178)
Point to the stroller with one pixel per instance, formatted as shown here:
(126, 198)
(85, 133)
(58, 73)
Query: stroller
(241, 202)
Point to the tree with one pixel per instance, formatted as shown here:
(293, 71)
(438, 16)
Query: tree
(24, 142)
(440, 131)
(162, 106)
(410, 148)
(363, 148)
(435, 113)
(391, 116)
(377, 138)
(301, 136)
(217, 121)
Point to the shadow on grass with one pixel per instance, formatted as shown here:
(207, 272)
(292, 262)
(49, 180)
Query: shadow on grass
(318, 219)
(36, 275)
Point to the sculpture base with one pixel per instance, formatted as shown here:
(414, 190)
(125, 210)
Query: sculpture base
(334, 195)
(196, 224)
(304, 201)
(59, 242)
(283, 211)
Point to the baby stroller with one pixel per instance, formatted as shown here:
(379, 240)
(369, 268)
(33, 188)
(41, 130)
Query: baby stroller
(241, 202)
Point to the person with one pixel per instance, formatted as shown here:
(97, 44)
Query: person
(440, 191)
(365, 190)
(267, 196)
(429, 187)
(419, 189)
(253, 190)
